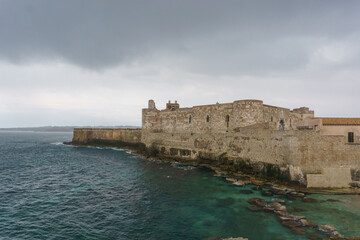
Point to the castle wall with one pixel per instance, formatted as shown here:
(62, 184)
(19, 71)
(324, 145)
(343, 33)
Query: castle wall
(273, 115)
(342, 130)
(306, 151)
(294, 153)
(326, 178)
(243, 135)
(221, 117)
(86, 135)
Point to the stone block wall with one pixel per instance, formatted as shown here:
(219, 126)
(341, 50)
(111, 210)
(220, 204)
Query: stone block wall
(307, 152)
(220, 117)
(86, 135)
(327, 180)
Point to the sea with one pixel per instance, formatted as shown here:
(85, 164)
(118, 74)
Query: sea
(49, 190)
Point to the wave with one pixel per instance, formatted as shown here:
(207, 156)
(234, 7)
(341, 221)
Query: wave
(95, 147)
(62, 144)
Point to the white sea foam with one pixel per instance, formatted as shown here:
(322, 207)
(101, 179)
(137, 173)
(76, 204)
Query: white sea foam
(118, 149)
(62, 144)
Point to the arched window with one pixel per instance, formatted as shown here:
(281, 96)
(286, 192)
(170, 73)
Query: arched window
(207, 118)
(190, 119)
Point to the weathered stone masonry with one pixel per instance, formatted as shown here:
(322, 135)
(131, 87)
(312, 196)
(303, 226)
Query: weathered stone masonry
(245, 136)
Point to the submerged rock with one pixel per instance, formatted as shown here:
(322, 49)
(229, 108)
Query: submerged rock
(296, 217)
(253, 200)
(279, 200)
(257, 182)
(279, 192)
(309, 200)
(230, 179)
(283, 218)
(290, 197)
(266, 193)
(290, 224)
(282, 213)
(330, 229)
(268, 209)
(298, 231)
(327, 228)
(308, 223)
(277, 206)
(297, 194)
(260, 202)
(313, 236)
(245, 191)
(254, 208)
(239, 183)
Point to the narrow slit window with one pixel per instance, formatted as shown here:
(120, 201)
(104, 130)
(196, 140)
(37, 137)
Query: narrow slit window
(227, 120)
(207, 118)
(350, 137)
(190, 119)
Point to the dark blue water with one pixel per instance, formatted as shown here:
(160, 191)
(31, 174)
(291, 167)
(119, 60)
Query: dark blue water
(52, 191)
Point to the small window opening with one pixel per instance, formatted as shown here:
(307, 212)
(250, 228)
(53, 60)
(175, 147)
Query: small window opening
(190, 119)
(272, 119)
(282, 125)
(207, 118)
(227, 119)
(350, 137)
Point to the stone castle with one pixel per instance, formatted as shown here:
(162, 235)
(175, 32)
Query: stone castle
(247, 136)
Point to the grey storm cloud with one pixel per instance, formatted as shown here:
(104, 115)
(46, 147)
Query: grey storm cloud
(205, 35)
(97, 62)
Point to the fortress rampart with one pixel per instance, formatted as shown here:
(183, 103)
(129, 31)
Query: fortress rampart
(126, 136)
(245, 136)
(220, 117)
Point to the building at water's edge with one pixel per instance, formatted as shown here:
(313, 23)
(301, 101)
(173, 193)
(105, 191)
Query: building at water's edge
(248, 136)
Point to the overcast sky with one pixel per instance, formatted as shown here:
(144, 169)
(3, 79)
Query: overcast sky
(83, 62)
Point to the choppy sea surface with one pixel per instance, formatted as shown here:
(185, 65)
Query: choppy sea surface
(52, 191)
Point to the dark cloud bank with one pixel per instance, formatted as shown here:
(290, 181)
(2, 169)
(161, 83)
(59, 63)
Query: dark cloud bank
(219, 35)
(289, 53)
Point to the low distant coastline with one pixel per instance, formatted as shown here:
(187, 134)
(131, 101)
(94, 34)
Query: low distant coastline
(57, 128)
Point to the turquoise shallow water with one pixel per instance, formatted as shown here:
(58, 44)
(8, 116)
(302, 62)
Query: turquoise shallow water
(52, 191)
